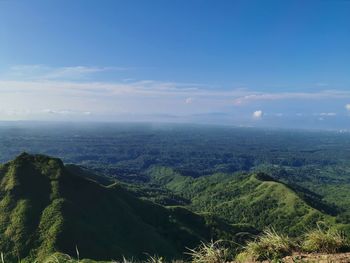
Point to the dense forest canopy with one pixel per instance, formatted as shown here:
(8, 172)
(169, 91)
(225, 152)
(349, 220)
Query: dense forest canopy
(230, 182)
(317, 161)
(197, 149)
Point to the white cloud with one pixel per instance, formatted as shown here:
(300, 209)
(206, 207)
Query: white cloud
(61, 112)
(43, 72)
(258, 114)
(328, 114)
(140, 97)
(347, 107)
(324, 94)
(56, 90)
(66, 112)
(145, 96)
(77, 72)
(188, 100)
(15, 112)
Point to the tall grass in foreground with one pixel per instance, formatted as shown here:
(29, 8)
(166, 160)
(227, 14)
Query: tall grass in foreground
(269, 246)
(213, 252)
(325, 240)
(154, 259)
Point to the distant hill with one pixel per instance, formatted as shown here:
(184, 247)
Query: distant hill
(255, 199)
(45, 207)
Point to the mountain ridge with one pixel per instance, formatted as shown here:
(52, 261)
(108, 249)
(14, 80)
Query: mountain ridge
(256, 198)
(45, 208)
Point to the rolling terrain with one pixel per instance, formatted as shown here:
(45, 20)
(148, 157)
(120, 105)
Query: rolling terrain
(255, 199)
(45, 208)
(168, 187)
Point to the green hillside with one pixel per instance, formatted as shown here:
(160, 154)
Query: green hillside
(255, 199)
(45, 207)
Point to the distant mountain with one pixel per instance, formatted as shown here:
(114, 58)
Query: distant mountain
(45, 207)
(255, 199)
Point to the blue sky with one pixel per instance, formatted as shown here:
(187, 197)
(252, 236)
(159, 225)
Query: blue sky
(260, 63)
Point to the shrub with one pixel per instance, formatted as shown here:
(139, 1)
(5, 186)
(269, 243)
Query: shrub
(269, 246)
(325, 240)
(213, 252)
(155, 259)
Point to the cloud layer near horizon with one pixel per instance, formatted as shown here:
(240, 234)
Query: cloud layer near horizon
(42, 92)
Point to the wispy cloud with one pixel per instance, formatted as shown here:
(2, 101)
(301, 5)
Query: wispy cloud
(323, 94)
(328, 114)
(64, 92)
(65, 112)
(44, 72)
(145, 87)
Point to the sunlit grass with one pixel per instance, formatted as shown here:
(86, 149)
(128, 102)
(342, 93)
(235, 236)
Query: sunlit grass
(269, 246)
(325, 240)
(212, 252)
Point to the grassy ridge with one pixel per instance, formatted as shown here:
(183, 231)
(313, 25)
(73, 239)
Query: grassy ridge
(46, 208)
(254, 199)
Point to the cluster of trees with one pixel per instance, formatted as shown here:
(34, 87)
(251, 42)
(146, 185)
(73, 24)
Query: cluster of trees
(318, 162)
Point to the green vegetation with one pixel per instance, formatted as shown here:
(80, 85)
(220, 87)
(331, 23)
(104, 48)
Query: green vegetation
(213, 252)
(274, 246)
(254, 199)
(315, 161)
(45, 208)
(325, 240)
(168, 187)
(269, 246)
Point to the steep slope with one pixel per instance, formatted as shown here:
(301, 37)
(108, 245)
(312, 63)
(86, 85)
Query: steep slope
(46, 208)
(254, 199)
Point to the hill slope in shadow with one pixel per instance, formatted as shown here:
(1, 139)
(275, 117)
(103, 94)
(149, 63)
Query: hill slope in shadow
(44, 208)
